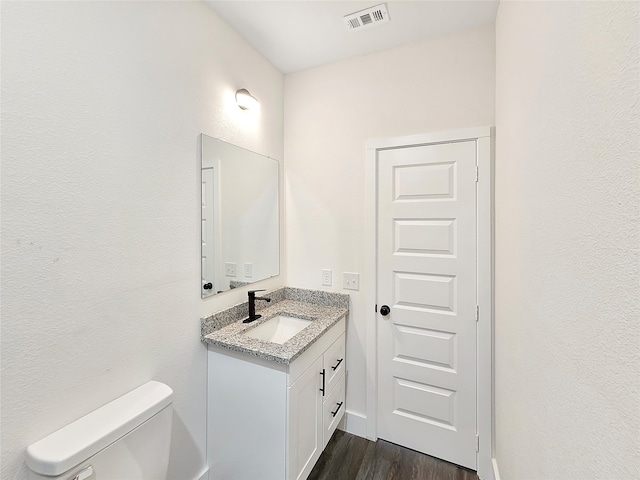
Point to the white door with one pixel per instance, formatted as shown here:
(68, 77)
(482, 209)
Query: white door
(208, 229)
(426, 258)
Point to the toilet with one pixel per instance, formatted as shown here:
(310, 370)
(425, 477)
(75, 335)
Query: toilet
(126, 439)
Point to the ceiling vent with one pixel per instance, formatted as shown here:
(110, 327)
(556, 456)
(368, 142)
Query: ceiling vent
(369, 17)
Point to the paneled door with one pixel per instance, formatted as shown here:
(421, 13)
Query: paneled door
(207, 231)
(426, 279)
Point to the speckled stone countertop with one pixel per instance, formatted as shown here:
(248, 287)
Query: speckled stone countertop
(225, 328)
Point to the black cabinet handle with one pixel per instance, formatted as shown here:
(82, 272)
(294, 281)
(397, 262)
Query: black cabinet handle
(207, 286)
(333, 414)
(384, 310)
(322, 389)
(337, 364)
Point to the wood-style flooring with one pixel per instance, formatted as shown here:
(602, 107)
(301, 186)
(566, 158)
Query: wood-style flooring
(348, 457)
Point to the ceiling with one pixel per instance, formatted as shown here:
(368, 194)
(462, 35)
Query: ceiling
(299, 34)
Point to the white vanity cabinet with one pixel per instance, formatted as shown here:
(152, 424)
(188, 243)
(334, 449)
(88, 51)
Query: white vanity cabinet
(269, 420)
(316, 405)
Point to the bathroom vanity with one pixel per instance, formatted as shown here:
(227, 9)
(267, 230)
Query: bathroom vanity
(276, 386)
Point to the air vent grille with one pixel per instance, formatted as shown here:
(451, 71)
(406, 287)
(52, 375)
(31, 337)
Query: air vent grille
(367, 18)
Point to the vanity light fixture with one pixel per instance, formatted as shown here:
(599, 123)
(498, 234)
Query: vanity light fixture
(245, 100)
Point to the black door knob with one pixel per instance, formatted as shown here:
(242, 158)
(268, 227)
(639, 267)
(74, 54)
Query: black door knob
(207, 286)
(384, 310)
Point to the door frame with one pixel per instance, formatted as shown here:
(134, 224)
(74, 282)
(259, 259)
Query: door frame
(484, 138)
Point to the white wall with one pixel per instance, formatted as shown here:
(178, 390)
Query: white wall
(331, 111)
(567, 216)
(102, 107)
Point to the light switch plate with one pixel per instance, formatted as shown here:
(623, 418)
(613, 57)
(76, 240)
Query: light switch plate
(351, 281)
(248, 270)
(326, 278)
(230, 269)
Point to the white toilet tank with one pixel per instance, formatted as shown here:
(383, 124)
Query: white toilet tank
(126, 439)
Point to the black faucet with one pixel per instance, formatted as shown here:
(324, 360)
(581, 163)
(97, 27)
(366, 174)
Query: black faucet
(252, 305)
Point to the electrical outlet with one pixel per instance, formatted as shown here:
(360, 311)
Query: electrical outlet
(351, 281)
(248, 270)
(230, 269)
(326, 278)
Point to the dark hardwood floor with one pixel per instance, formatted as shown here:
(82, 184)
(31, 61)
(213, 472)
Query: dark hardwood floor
(348, 457)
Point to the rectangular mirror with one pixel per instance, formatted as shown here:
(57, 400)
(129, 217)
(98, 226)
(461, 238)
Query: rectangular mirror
(240, 221)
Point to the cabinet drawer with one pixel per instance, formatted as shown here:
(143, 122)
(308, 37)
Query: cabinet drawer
(334, 363)
(309, 356)
(333, 410)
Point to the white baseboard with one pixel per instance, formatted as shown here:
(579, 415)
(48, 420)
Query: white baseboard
(496, 473)
(354, 423)
(204, 475)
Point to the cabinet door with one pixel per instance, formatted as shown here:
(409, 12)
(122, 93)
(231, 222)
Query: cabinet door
(334, 362)
(305, 437)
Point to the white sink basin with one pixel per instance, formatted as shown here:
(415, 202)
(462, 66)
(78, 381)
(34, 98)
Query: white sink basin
(278, 329)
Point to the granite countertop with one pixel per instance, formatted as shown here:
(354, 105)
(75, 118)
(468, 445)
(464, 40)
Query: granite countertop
(226, 329)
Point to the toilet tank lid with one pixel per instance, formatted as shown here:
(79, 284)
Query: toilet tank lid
(73, 444)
